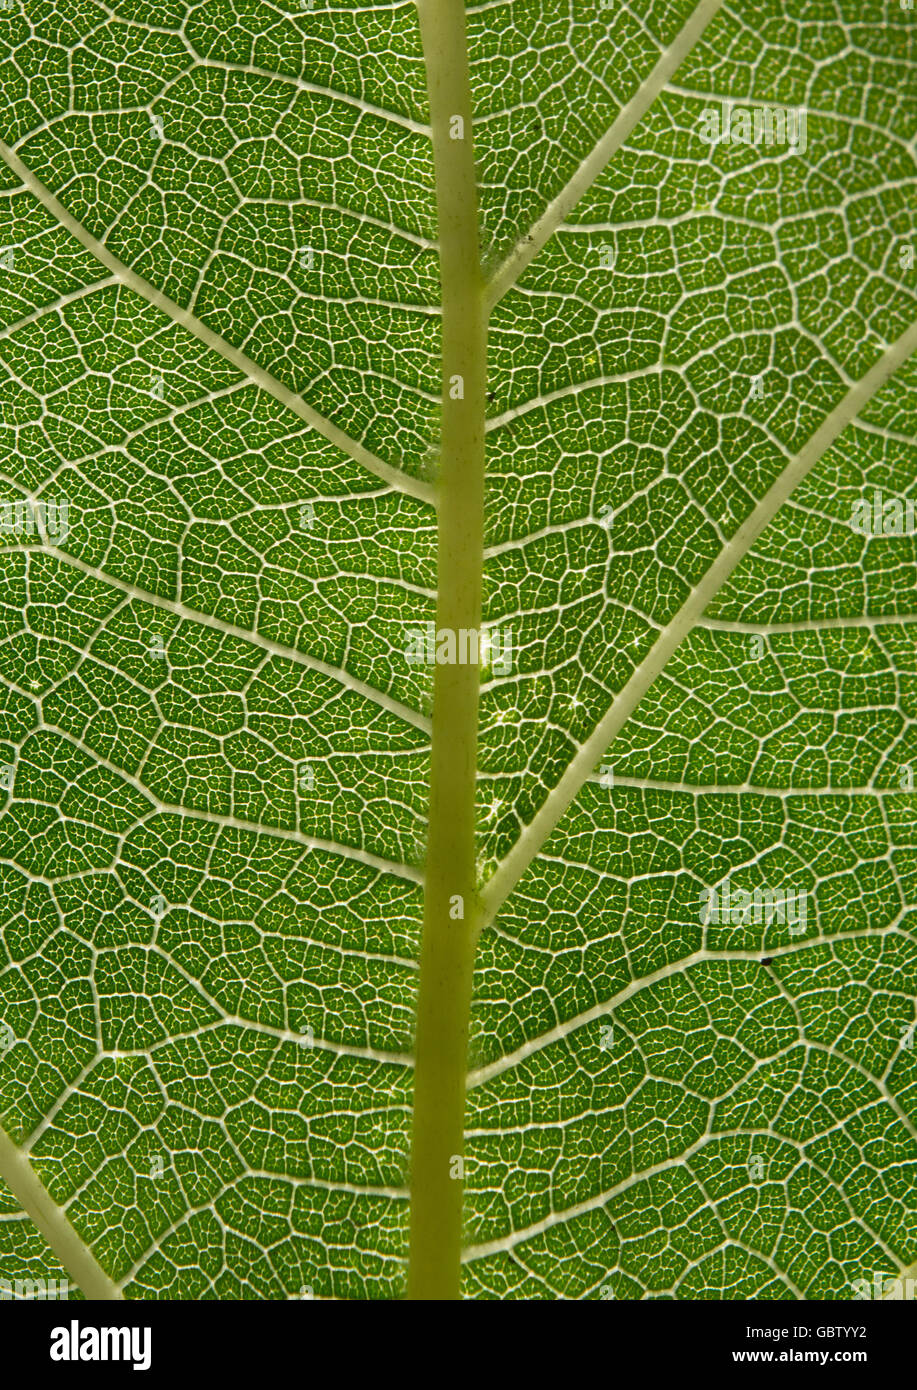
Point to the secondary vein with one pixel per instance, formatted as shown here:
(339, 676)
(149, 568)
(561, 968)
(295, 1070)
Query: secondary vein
(536, 833)
(401, 482)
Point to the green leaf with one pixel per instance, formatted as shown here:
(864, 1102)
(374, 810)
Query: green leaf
(329, 331)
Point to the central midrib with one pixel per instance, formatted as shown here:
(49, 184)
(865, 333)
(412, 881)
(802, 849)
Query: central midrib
(451, 909)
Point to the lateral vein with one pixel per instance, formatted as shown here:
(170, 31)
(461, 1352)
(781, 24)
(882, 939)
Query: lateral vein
(536, 833)
(630, 114)
(703, 956)
(229, 822)
(76, 1257)
(192, 615)
(400, 482)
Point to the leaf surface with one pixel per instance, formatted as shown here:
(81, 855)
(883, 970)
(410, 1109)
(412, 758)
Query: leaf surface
(223, 349)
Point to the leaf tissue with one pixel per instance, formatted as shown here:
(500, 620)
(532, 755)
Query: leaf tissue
(458, 649)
